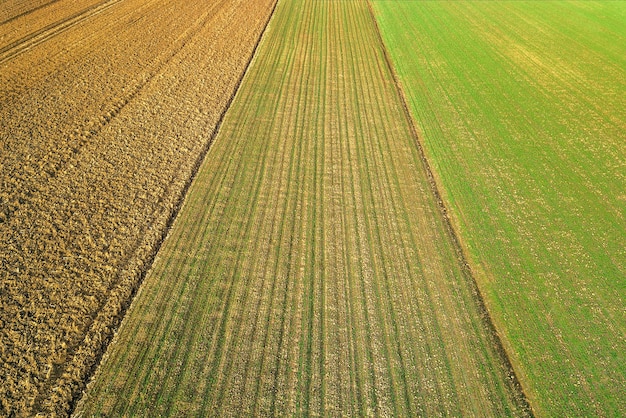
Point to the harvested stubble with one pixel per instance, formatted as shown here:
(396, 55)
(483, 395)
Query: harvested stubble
(310, 271)
(523, 111)
(102, 123)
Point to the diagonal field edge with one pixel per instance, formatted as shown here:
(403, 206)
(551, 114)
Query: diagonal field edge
(512, 381)
(174, 214)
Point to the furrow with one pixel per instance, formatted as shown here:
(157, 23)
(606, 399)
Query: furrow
(15, 48)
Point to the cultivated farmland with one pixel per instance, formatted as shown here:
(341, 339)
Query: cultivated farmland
(522, 109)
(106, 109)
(310, 270)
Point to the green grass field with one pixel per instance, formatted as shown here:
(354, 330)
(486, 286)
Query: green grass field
(522, 110)
(310, 271)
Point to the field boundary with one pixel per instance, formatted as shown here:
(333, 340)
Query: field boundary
(512, 380)
(71, 389)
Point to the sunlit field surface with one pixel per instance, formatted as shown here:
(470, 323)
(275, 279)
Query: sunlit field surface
(522, 110)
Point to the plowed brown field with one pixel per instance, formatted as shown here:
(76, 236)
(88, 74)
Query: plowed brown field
(106, 110)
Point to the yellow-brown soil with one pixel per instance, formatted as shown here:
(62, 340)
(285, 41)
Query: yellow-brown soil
(106, 109)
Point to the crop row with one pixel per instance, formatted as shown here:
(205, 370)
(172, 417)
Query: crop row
(309, 271)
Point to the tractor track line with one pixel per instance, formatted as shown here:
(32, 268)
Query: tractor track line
(512, 380)
(85, 139)
(17, 16)
(22, 45)
(85, 133)
(177, 207)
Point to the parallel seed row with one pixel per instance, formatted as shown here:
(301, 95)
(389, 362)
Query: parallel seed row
(324, 283)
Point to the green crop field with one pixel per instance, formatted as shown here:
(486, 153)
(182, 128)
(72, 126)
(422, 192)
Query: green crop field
(522, 110)
(310, 270)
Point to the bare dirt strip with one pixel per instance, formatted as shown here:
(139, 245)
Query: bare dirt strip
(309, 271)
(104, 118)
